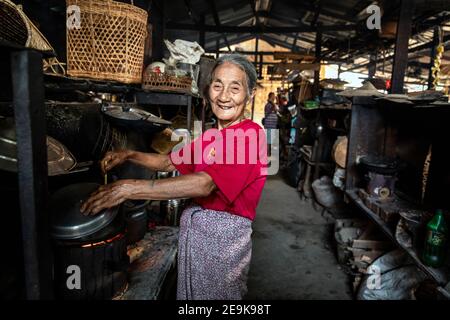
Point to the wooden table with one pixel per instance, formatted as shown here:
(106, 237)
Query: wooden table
(152, 259)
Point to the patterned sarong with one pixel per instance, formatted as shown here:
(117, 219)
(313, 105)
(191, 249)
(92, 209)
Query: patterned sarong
(214, 252)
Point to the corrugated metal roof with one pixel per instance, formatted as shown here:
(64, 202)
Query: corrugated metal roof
(344, 46)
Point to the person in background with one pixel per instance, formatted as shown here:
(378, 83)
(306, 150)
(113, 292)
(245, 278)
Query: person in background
(270, 120)
(284, 125)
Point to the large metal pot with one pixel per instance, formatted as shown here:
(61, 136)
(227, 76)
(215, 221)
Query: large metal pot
(135, 215)
(67, 222)
(172, 210)
(93, 245)
(381, 175)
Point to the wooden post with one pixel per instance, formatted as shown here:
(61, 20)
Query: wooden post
(28, 97)
(372, 67)
(158, 26)
(433, 56)
(401, 45)
(201, 35)
(261, 62)
(217, 48)
(256, 52)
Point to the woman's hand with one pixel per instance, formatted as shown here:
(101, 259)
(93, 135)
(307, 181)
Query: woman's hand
(114, 158)
(108, 196)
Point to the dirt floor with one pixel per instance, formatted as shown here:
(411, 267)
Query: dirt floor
(293, 252)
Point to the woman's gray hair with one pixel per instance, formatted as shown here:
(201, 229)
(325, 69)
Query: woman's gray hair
(243, 63)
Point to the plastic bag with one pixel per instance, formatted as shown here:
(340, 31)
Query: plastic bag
(326, 193)
(390, 277)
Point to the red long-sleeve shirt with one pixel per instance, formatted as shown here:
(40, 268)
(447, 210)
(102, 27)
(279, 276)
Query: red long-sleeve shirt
(235, 158)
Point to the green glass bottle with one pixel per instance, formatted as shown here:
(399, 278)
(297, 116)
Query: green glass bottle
(435, 241)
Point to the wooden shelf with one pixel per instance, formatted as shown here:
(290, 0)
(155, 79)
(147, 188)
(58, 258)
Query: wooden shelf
(61, 84)
(163, 98)
(309, 109)
(339, 130)
(331, 107)
(440, 275)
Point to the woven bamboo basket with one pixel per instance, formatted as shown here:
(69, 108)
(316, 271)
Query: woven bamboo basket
(17, 30)
(165, 82)
(109, 45)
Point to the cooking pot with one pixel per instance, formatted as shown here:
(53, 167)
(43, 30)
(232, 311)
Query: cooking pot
(172, 209)
(60, 160)
(126, 115)
(67, 222)
(381, 165)
(135, 215)
(380, 175)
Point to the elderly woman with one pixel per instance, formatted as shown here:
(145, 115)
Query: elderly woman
(224, 177)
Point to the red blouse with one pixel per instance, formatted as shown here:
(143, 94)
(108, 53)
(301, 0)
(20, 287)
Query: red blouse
(235, 158)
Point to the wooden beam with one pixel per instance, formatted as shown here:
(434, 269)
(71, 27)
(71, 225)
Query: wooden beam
(255, 13)
(401, 45)
(188, 5)
(279, 55)
(318, 6)
(212, 4)
(316, 85)
(293, 56)
(389, 58)
(294, 43)
(324, 11)
(256, 29)
(299, 66)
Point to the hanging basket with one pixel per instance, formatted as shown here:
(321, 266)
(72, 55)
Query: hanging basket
(109, 42)
(165, 82)
(17, 30)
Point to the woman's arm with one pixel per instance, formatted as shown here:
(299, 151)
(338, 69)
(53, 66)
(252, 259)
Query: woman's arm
(153, 161)
(194, 185)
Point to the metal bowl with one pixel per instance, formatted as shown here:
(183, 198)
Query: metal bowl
(67, 222)
(60, 160)
(129, 117)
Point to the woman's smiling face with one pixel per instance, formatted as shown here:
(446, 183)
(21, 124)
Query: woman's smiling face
(228, 92)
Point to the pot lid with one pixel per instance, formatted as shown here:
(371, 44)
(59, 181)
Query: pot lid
(382, 165)
(67, 222)
(8, 145)
(131, 113)
(59, 158)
